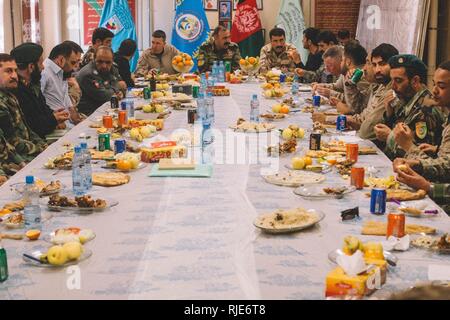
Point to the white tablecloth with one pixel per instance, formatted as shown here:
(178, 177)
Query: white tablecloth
(183, 238)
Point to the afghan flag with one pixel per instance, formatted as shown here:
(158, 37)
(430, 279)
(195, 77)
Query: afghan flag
(247, 29)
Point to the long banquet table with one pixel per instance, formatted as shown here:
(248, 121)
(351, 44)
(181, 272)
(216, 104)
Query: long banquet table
(185, 238)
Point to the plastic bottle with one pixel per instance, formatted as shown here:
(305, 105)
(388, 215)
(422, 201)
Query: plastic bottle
(295, 87)
(209, 103)
(32, 210)
(221, 72)
(3, 264)
(254, 109)
(207, 137)
(78, 171)
(87, 165)
(130, 103)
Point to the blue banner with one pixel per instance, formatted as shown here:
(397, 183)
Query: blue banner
(190, 28)
(118, 19)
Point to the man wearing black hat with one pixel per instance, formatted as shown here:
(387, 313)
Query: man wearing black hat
(410, 104)
(40, 117)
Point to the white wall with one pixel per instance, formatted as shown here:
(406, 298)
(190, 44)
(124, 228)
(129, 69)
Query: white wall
(163, 14)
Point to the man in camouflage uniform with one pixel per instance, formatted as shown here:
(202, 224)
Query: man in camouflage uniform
(27, 144)
(218, 48)
(414, 109)
(433, 162)
(98, 83)
(279, 54)
(10, 162)
(101, 37)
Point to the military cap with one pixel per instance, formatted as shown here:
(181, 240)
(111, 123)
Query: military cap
(408, 61)
(27, 53)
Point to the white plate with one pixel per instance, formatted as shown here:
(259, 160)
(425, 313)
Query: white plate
(391, 259)
(326, 169)
(141, 165)
(297, 179)
(320, 217)
(110, 203)
(316, 192)
(305, 89)
(19, 188)
(48, 238)
(39, 252)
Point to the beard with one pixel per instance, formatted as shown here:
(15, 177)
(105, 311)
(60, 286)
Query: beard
(344, 70)
(36, 76)
(382, 79)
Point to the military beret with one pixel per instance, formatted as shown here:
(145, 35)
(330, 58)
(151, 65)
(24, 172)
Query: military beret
(408, 61)
(27, 53)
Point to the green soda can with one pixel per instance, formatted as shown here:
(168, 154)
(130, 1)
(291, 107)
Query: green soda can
(195, 90)
(227, 66)
(3, 264)
(147, 93)
(104, 141)
(357, 76)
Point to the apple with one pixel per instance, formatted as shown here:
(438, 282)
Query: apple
(301, 133)
(298, 164)
(57, 256)
(276, 108)
(73, 250)
(268, 93)
(287, 134)
(159, 108)
(373, 250)
(147, 108)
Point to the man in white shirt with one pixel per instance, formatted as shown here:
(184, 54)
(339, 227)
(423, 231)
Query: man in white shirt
(62, 61)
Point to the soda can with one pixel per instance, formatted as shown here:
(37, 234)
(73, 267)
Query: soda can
(316, 101)
(195, 91)
(147, 93)
(104, 142)
(378, 201)
(341, 123)
(227, 76)
(108, 122)
(357, 178)
(227, 66)
(123, 105)
(352, 152)
(282, 78)
(192, 116)
(396, 225)
(114, 102)
(357, 76)
(120, 146)
(314, 141)
(123, 117)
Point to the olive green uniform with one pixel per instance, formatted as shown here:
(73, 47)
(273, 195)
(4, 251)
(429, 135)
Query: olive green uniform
(208, 53)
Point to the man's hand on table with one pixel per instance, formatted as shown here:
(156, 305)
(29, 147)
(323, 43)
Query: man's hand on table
(3, 179)
(404, 137)
(61, 115)
(413, 179)
(402, 162)
(318, 117)
(382, 132)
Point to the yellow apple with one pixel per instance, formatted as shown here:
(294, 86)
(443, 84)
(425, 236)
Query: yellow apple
(57, 256)
(73, 250)
(287, 134)
(301, 133)
(298, 164)
(159, 108)
(147, 108)
(276, 108)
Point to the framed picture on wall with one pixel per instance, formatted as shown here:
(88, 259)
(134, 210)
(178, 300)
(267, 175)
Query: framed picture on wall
(259, 4)
(210, 5)
(225, 10)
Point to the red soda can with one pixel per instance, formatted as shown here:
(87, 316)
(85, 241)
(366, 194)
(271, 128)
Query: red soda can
(357, 178)
(352, 152)
(396, 225)
(108, 122)
(123, 118)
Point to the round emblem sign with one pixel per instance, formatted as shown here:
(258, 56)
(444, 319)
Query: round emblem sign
(188, 26)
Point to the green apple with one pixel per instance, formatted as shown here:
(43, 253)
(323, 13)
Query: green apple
(73, 250)
(159, 108)
(57, 256)
(147, 108)
(287, 134)
(298, 163)
(301, 133)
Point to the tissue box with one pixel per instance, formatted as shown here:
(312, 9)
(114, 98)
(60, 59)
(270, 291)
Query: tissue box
(382, 264)
(158, 123)
(182, 88)
(340, 284)
(153, 155)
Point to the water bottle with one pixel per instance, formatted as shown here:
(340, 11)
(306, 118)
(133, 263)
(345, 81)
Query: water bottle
(208, 154)
(87, 166)
(254, 109)
(207, 137)
(215, 71)
(295, 87)
(32, 210)
(78, 179)
(209, 103)
(3, 264)
(201, 106)
(130, 103)
(221, 72)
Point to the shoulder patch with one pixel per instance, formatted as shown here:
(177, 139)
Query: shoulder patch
(421, 130)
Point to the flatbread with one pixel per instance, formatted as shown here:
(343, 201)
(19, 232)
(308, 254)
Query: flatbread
(404, 195)
(375, 228)
(294, 179)
(101, 155)
(110, 179)
(287, 219)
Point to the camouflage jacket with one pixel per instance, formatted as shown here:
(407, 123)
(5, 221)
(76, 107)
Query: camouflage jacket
(435, 169)
(441, 194)
(9, 159)
(270, 59)
(88, 57)
(207, 54)
(320, 76)
(27, 144)
(422, 118)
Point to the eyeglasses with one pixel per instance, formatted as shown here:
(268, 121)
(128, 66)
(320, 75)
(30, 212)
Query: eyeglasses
(351, 214)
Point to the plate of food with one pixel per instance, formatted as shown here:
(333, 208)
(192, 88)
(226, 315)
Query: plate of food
(45, 189)
(273, 116)
(72, 234)
(288, 221)
(415, 209)
(294, 179)
(403, 195)
(320, 168)
(69, 254)
(14, 221)
(84, 204)
(439, 245)
(252, 127)
(287, 147)
(110, 179)
(125, 162)
(324, 192)
(389, 257)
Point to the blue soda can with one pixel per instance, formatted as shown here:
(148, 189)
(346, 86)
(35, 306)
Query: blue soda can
(341, 123)
(316, 101)
(282, 78)
(378, 201)
(120, 146)
(123, 105)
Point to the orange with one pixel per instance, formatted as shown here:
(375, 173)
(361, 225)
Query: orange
(242, 61)
(178, 59)
(252, 60)
(308, 161)
(180, 64)
(174, 61)
(187, 58)
(284, 110)
(124, 165)
(5, 212)
(33, 234)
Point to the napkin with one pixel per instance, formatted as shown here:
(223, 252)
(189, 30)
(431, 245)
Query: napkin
(352, 265)
(397, 244)
(276, 72)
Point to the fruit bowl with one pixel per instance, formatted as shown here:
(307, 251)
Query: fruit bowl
(251, 66)
(182, 63)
